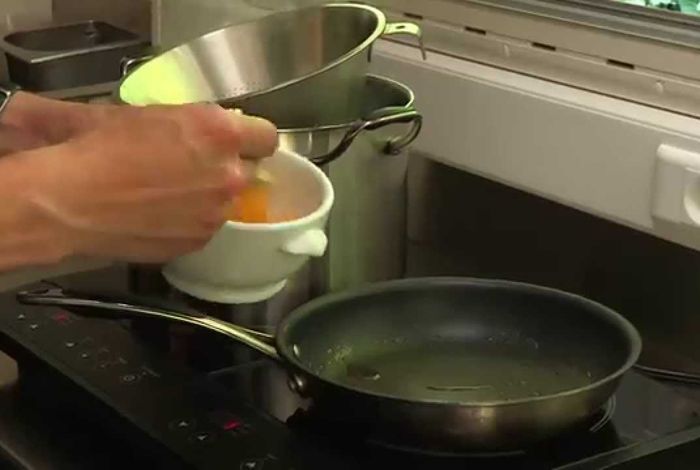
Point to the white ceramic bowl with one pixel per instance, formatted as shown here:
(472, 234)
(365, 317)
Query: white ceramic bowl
(245, 263)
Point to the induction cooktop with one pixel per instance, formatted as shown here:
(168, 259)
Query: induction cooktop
(146, 393)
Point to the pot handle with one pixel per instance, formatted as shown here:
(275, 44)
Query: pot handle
(379, 119)
(120, 306)
(389, 115)
(410, 29)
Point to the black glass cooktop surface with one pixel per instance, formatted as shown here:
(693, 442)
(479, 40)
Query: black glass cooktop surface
(125, 393)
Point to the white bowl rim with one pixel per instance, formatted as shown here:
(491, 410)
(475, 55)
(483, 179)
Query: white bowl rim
(328, 197)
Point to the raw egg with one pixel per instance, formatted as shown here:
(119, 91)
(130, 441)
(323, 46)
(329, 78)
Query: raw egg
(252, 206)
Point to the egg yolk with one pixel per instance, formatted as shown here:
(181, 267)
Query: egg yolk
(252, 206)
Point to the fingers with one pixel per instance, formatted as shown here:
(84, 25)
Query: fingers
(160, 179)
(231, 134)
(166, 213)
(234, 133)
(258, 136)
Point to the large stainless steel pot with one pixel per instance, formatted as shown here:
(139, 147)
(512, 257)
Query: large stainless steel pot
(367, 227)
(306, 66)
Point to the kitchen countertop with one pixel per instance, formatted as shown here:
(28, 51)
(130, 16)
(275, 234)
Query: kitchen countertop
(27, 443)
(30, 440)
(679, 451)
(102, 91)
(59, 436)
(16, 278)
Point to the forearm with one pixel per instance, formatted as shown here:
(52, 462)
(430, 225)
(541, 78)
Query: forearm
(28, 235)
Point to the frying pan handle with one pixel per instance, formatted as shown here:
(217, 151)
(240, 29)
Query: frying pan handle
(55, 295)
(129, 64)
(106, 306)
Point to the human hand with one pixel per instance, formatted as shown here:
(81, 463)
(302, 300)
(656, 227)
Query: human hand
(13, 139)
(31, 121)
(150, 185)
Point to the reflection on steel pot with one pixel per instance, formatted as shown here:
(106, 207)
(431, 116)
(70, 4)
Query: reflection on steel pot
(305, 66)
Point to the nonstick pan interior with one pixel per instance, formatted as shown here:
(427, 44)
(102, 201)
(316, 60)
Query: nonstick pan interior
(457, 341)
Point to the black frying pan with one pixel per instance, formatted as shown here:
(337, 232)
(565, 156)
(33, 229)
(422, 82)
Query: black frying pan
(464, 363)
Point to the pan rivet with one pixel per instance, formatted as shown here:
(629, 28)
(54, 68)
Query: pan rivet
(297, 384)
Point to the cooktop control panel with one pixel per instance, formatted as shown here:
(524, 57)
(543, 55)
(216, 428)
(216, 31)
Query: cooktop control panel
(161, 397)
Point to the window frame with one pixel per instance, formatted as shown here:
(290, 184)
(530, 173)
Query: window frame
(641, 55)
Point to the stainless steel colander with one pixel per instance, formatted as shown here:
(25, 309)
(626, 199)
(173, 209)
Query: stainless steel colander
(311, 63)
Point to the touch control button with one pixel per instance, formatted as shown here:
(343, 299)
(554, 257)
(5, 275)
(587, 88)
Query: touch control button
(129, 378)
(256, 464)
(182, 424)
(202, 437)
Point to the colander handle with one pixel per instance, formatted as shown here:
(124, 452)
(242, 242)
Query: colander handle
(409, 29)
(128, 64)
(381, 118)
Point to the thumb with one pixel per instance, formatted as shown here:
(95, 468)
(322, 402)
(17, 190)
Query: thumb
(258, 136)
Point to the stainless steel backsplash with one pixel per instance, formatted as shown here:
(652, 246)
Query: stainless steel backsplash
(461, 224)
(134, 15)
(19, 14)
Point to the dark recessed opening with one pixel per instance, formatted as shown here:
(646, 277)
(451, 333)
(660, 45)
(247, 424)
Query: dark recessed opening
(546, 47)
(413, 16)
(475, 30)
(618, 63)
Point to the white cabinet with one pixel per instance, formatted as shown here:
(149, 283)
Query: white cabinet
(582, 149)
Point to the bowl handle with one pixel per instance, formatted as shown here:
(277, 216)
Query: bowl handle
(310, 243)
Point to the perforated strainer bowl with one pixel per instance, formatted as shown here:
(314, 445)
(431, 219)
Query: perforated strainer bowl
(309, 62)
